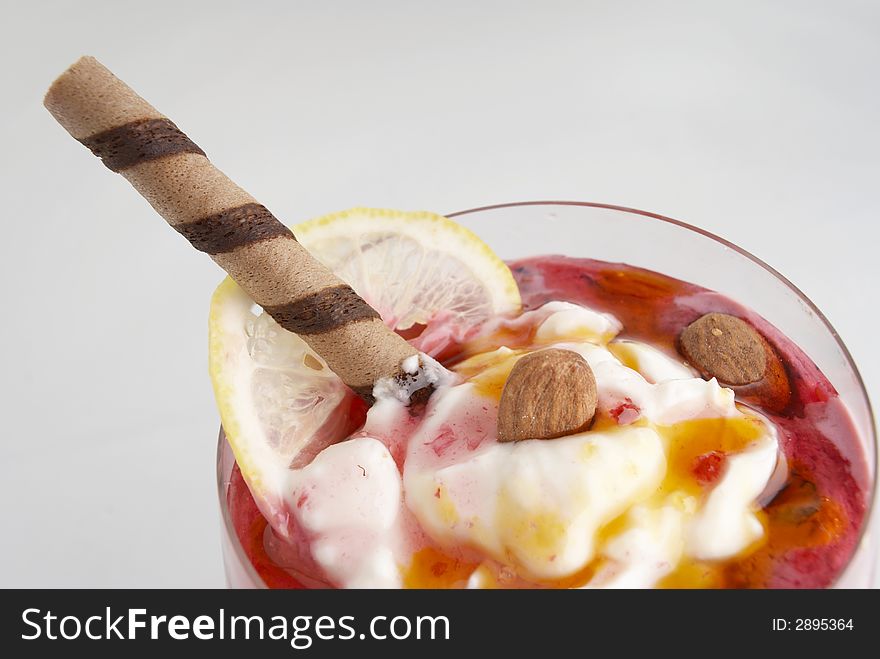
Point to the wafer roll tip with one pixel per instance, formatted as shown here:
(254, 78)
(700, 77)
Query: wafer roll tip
(217, 217)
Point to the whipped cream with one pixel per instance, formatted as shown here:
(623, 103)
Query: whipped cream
(603, 508)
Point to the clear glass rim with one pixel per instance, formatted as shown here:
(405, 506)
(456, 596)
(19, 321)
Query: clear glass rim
(872, 423)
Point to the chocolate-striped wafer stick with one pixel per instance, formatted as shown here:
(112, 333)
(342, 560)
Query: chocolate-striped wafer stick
(261, 254)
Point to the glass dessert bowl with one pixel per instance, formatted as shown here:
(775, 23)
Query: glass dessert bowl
(804, 524)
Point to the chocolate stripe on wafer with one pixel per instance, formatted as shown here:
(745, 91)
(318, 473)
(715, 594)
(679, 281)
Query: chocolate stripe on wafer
(132, 143)
(239, 234)
(233, 228)
(323, 311)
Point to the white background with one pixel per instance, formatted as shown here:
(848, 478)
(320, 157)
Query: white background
(756, 120)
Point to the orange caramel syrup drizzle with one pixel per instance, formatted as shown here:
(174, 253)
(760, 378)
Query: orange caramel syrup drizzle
(433, 568)
(797, 519)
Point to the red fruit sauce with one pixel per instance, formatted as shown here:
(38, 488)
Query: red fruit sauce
(812, 525)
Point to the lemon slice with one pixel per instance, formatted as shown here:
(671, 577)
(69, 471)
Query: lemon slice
(276, 397)
(278, 401)
(412, 266)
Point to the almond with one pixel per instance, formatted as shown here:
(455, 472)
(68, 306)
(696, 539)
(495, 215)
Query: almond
(724, 347)
(732, 351)
(549, 393)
